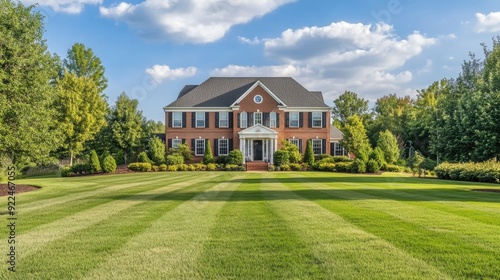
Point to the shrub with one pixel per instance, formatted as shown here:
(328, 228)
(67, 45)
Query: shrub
(208, 156)
(143, 157)
(295, 167)
(95, 165)
(383, 167)
(393, 168)
(322, 157)
(358, 166)
(235, 157)
(183, 167)
(326, 167)
(378, 155)
(172, 168)
(174, 159)
(428, 164)
(109, 164)
(280, 158)
(341, 159)
(211, 167)
(285, 167)
(232, 167)
(221, 160)
(372, 166)
(155, 168)
(343, 166)
(292, 150)
(200, 167)
(270, 167)
(488, 171)
(81, 168)
(309, 154)
(37, 170)
(140, 166)
(66, 171)
(163, 167)
(191, 167)
(156, 149)
(119, 157)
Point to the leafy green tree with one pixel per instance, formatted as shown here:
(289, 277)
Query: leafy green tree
(235, 157)
(309, 154)
(389, 145)
(378, 155)
(292, 150)
(281, 157)
(81, 110)
(183, 150)
(95, 165)
(347, 105)
(156, 148)
(143, 157)
(355, 139)
(126, 125)
(82, 62)
(208, 157)
(27, 127)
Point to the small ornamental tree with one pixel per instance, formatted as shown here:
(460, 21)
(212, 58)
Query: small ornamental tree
(95, 165)
(292, 150)
(388, 143)
(109, 164)
(309, 154)
(143, 157)
(235, 157)
(208, 157)
(281, 157)
(156, 149)
(183, 150)
(378, 155)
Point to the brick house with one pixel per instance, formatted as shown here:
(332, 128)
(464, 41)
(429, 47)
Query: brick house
(251, 114)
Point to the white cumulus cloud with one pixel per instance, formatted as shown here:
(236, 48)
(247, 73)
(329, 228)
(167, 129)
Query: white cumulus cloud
(488, 23)
(159, 73)
(188, 20)
(367, 59)
(65, 6)
(254, 41)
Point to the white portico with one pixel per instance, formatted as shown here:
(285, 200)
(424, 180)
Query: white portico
(258, 143)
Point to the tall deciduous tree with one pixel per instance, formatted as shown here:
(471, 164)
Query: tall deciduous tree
(82, 62)
(81, 111)
(126, 124)
(349, 104)
(27, 128)
(355, 139)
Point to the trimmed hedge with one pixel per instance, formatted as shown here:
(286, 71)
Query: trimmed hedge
(358, 166)
(140, 166)
(488, 171)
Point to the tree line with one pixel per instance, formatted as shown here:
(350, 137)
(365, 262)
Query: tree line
(53, 108)
(454, 120)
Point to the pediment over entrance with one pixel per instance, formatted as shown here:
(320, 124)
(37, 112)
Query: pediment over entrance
(258, 131)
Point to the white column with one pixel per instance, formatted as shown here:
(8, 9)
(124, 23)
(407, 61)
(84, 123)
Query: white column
(242, 149)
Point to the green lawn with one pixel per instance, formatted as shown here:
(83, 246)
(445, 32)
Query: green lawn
(220, 225)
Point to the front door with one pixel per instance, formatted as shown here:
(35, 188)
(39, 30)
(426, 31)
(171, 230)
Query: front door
(257, 150)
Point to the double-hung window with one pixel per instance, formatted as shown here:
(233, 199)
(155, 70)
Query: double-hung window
(317, 145)
(294, 142)
(272, 119)
(294, 119)
(257, 118)
(317, 119)
(243, 120)
(224, 119)
(200, 119)
(177, 119)
(199, 147)
(339, 150)
(176, 143)
(223, 147)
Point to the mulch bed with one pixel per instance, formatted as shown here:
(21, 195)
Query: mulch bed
(19, 189)
(487, 190)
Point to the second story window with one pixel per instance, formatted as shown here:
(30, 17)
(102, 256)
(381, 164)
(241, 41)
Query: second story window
(223, 119)
(243, 120)
(272, 119)
(200, 119)
(257, 118)
(294, 119)
(317, 119)
(177, 119)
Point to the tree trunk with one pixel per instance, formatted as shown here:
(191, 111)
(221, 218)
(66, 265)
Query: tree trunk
(70, 157)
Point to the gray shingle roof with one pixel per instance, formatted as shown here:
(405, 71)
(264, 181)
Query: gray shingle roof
(224, 91)
(335, 133)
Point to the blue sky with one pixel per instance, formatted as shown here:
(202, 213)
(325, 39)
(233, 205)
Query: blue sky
(152, 48)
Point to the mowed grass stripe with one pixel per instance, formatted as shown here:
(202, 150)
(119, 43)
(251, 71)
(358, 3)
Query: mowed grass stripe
(64, 258)
(91, 192)
(63, 209)
(345, 250)
(170, 248)
(251, 241)
(461, 251)
(36, 239)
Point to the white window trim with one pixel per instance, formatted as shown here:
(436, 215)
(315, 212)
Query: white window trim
(243, 118)
(294, 140)
(272, 118)
(179, 114)
(320, 119)
(196, 147)
(174, 141)
(255, 119)
(227, 147)
(203, 117)
(320, 145)
(290, 119)
(226, 114)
